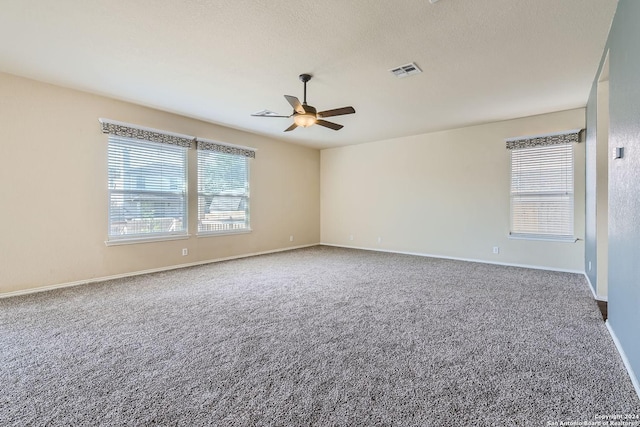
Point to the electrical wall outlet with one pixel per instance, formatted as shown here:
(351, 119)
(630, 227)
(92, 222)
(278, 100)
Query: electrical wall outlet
(379, 239)
(291, 238)
(496, 250)
(350, 236)
(185, 251)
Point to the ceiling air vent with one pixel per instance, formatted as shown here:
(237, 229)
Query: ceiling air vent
(405, 70)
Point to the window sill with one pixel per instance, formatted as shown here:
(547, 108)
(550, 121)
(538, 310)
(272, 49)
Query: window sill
(543, 238)
(222, 233)
(134, 240)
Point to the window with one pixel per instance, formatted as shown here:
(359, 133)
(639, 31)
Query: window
(223, 188)
(542, 188)
(147, 184)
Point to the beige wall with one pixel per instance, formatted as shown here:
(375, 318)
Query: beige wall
(444, 194)
(53, 182)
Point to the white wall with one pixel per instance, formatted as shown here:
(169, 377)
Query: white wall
(444, 194)
(53, 190)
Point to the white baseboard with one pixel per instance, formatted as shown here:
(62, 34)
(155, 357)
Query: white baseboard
(483, 261)
(634, 379)
(595, 295)
(137, 273)
(174, 267)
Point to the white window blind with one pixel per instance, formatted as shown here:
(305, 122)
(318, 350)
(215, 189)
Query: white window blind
(147, 188)
(223, 188)
(542, 191)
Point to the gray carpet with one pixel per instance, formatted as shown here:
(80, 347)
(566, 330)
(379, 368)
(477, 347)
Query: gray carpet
(318, 336)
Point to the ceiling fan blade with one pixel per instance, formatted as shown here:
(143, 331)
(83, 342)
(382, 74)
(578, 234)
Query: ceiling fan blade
(268, 115)
(295, 103)
(337, 112)
(292, 127)
(329, 125)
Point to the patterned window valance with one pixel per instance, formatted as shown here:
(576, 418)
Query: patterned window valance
(539, 140)
(205, 144)
(131, 131)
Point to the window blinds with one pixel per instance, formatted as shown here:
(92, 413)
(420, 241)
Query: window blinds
(542, 191)
(147, 188)
(148, 172)
(223, 188)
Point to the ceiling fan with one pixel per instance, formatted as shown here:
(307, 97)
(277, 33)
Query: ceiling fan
(305, 115)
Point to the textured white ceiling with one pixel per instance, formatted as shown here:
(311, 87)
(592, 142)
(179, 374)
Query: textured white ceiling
(221, 60)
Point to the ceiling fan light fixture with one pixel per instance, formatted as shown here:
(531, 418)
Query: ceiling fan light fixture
(305, 120)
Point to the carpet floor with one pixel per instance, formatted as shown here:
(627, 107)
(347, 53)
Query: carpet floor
(318, 336)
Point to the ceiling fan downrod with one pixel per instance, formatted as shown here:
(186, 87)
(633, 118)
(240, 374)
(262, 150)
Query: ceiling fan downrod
(305, 78)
